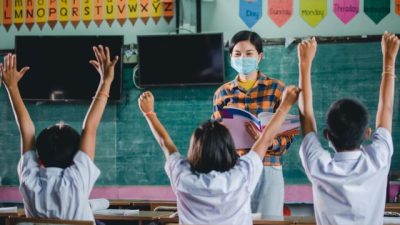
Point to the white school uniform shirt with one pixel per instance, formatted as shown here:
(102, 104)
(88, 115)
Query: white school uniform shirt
(57, 193)
(214, 197)
(349, 188)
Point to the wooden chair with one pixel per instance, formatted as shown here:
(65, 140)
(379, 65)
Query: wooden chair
(13, 220)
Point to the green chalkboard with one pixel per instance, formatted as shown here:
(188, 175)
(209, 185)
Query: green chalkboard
(126, 151)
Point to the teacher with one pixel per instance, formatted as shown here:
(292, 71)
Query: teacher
(256, 92)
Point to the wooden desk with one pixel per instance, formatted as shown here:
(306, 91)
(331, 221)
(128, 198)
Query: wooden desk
(392, 207)
(276, 220)
(5, 215)
(147, 205)
(140, 217)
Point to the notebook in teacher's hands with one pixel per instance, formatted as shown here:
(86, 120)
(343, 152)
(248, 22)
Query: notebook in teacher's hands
(235, 119)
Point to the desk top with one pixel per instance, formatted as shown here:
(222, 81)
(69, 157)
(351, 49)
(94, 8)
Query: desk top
(392, 207)
(20, 212)
(141, 215)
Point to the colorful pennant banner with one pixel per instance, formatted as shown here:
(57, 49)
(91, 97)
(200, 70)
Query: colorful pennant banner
(313, 11)
(41, 13)
(250, 11)
(1, 12)
(121, 12)
(133, 10)
(110, 13)
(346, 10)
(98, 12)
(75, 13)
(156, 10)
(63, 12)
(18, 15)
(397, 7)
(51, 12)
(87, 12)
(376, 10)
(280, 11)
(144, 10)
(7, 14)
(168, 8)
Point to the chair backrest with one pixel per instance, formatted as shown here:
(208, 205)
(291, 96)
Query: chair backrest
(40, 221)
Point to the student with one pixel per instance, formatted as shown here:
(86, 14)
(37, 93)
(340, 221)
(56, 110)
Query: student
(55, 181)
(213, 185)
(350, 187)
(256, 92)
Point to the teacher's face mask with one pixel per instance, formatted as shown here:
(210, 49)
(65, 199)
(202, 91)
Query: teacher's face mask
(244, 65)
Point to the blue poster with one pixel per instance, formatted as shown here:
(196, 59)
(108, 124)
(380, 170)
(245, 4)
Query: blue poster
(250, 11)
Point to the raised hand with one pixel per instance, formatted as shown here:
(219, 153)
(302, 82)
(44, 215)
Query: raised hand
(146, 102)
(290, 96)
(390, 46)
(10, 74)
(306, 50)
(103, 63)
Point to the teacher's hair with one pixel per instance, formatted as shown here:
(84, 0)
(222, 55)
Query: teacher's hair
(246, 35)
(212, 148)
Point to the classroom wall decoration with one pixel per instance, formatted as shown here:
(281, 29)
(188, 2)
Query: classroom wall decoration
(313, 11)
(121, 12)
(376, 10)
(397, 7)
(87, 12)
(98, 13)
(250, 11)
(346, 10)
(280, 11)
(51, 12)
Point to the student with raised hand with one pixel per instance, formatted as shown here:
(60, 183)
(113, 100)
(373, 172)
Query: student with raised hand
(350, 187)
(56, 180)
(213, 185)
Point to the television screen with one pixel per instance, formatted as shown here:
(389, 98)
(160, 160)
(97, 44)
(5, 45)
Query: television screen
(60, 68)
(181, 59)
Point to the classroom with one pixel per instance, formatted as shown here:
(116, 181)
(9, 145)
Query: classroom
(159, 44)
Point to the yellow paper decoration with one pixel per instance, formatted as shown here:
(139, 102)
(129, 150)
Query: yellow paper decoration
(313, 11)
(18, 15)
(133, 10)
(156, 10)
(87, 12)
(110, 13)
(41, 13)
(63, 12)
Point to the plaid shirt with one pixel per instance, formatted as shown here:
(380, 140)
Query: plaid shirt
(265, 96)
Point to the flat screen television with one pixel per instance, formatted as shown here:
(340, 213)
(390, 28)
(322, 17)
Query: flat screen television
(181, 59)
(60, 68)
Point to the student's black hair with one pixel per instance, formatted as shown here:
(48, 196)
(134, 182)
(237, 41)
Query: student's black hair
(212, 148)
(57, 146)
(246, 35)
(347, 120)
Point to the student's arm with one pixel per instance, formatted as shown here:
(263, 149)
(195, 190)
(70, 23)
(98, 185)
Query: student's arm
(390, 46)
(146, 105)
(306, 52)
(11, 78)
(105, 67)
(272, 128)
